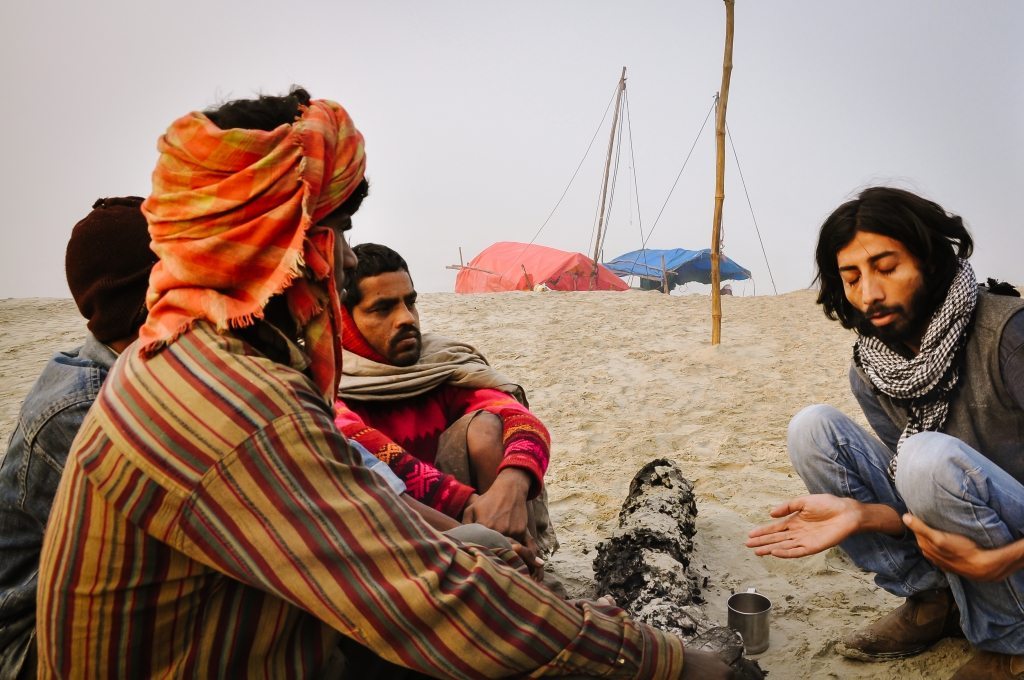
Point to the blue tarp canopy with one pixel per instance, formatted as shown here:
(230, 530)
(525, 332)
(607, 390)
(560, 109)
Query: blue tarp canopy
(683, 265)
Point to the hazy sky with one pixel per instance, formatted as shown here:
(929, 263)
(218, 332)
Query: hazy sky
(477, 113)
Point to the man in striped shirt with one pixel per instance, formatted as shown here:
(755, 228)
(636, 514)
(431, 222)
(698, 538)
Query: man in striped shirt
(213, 522)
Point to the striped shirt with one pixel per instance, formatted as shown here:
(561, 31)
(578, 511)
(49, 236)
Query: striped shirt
(212, 522)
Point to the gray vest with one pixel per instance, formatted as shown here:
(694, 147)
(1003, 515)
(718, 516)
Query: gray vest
(982, 413)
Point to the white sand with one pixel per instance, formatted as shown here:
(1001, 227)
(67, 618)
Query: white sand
(619, 379)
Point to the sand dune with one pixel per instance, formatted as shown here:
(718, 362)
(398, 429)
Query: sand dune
(621, 378)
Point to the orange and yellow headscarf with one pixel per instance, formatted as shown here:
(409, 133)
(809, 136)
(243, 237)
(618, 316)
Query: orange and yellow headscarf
(232, 217)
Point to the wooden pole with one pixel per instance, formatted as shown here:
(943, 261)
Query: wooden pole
(529, 279)
(716, 228)
(599, 237)
(664, 276)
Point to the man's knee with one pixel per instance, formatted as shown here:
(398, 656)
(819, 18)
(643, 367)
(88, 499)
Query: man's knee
(478, 534)
(809, 431)
(484, 431)
(928, 464)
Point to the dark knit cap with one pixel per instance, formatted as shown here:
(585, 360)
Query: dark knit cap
(107, 263)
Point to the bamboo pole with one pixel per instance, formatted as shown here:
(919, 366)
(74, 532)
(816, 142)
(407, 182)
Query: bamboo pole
(604, 182)
(716, 228)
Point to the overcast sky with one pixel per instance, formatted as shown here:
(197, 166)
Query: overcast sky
(477, 113)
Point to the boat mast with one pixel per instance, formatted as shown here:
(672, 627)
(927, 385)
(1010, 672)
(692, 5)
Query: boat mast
(716, 228)
(601, 219)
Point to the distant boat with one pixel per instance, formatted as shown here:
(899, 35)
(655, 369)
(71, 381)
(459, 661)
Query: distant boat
(508, 265)
(680, 265)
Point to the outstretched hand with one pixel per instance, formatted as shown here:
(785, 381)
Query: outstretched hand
(962, 556)
(809, 525)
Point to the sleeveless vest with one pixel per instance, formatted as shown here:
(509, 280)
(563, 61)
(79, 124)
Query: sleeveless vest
(982, 414)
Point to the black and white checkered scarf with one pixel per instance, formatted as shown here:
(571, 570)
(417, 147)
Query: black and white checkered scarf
(925, 382)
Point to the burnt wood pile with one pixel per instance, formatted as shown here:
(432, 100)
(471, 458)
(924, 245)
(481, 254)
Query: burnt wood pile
(645, 565)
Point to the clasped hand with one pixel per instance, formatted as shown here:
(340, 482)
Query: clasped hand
(503, 508)
(961, 555)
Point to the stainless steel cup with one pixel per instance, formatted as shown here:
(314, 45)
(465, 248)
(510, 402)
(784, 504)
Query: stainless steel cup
(748, 616)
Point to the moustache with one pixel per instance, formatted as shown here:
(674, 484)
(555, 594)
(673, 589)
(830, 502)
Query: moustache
(405, 335)
(881, 310)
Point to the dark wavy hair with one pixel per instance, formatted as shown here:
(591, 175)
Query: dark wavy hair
(267, 112)
(935, 237)
(374, 259)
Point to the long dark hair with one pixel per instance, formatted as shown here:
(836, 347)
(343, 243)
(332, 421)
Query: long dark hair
(936, 238)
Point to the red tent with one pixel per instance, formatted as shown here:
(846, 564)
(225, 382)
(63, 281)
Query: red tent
(521, 266)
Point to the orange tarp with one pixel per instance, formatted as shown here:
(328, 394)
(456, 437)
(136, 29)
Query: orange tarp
(501, 266)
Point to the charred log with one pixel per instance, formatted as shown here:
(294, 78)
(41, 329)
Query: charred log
(645, 564)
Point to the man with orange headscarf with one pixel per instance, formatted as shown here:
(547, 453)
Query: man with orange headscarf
(212, 522)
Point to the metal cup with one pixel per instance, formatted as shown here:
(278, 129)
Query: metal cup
(748, 616)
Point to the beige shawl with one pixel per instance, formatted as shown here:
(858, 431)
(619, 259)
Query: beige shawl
(442, 360)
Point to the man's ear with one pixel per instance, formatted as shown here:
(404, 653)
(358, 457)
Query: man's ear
(353, 292)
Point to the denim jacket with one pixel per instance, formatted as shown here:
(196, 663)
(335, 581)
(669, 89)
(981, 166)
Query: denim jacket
(29, 473)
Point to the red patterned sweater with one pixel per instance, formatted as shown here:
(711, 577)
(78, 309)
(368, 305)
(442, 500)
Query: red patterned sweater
(404, 433)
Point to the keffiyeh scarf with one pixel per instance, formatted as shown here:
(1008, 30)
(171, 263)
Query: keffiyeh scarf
(926, 382)
(232, 218)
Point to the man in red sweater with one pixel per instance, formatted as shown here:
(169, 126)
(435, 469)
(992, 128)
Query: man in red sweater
(457, 432)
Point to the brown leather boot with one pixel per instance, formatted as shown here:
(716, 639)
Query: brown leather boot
(991, 666)
(911, 628)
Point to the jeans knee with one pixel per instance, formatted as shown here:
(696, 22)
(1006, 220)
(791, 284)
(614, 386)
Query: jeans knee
(927, 463)
(808, 432)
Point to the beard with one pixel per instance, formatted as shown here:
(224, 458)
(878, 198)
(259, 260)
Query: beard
(406, 357)
(910, 323)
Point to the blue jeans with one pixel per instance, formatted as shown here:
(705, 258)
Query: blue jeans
(941, 480)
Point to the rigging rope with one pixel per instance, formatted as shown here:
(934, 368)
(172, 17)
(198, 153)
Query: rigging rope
(636, 186)
(636, 190)
(643, 240)
(571, 179)
(611, 193)
(703, 125)
(751, 206)
(631, 196)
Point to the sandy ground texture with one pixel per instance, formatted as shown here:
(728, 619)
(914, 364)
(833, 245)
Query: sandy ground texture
(619, 379)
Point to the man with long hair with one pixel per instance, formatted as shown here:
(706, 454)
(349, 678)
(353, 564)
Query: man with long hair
(934, 505)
